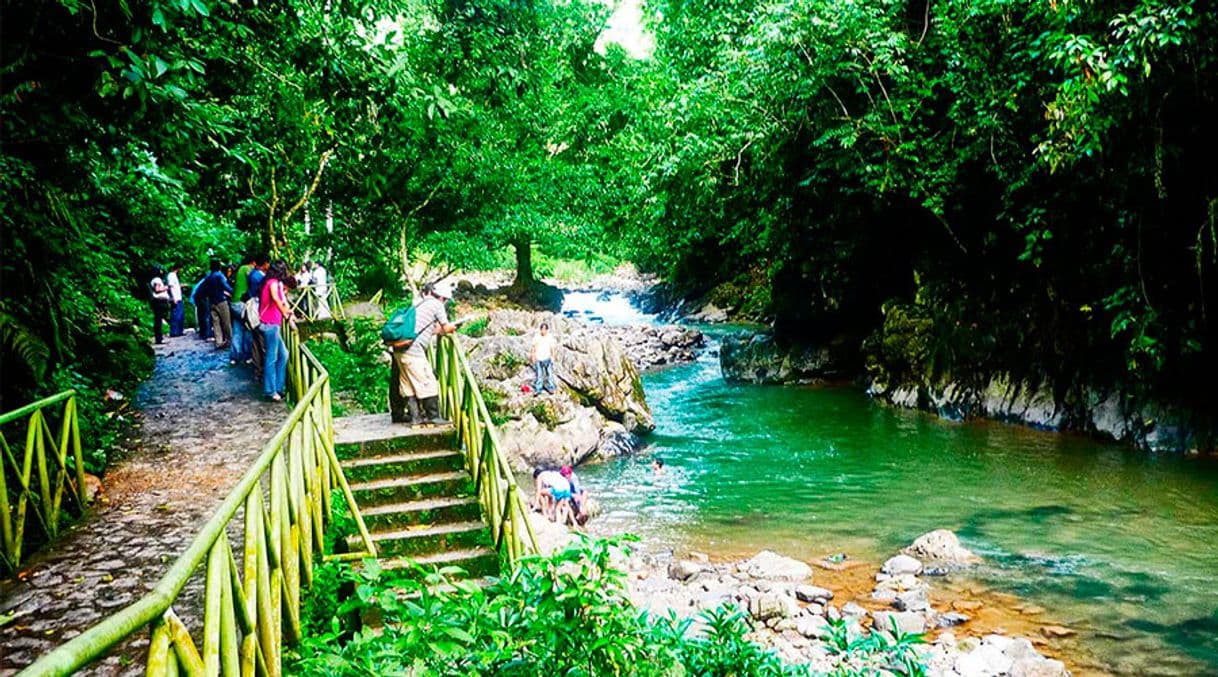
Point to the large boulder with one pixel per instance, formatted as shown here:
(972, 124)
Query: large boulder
(771, 566)
(599, 408)
(901, 564)
(940, 547)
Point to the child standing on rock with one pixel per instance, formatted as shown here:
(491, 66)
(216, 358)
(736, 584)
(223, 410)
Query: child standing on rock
(541, 354)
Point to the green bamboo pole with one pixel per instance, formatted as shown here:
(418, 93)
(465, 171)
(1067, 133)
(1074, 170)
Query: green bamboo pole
(158, 652)
(81, 494)
(6, 524)
(249, 555)
(230, 657)
(22, 412)
(212, 599)
(188, 655)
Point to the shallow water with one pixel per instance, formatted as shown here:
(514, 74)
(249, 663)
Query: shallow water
(1120, 545)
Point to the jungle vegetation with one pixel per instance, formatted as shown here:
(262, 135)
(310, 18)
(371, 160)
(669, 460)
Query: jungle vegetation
(1021, 187)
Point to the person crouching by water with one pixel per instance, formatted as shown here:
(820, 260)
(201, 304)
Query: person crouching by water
(579, 495)
(542, 356)
(416, 382)
(552, 495)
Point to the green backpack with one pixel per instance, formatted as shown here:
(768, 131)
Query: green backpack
(399, 326)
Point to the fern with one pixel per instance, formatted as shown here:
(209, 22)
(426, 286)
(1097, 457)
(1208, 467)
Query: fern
(18, 340)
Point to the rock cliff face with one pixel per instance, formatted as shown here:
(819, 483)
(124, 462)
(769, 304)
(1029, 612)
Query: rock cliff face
(1107, 415)
(761, 358)
(599, 410)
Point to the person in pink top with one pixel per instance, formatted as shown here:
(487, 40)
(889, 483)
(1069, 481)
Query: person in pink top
(273, 307)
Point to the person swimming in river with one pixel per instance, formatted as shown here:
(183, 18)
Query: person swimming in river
(657, 466)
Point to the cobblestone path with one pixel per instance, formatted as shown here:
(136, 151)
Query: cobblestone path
(203, 423)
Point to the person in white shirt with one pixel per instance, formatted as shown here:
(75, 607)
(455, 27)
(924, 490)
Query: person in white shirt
(552, 495)
(541, 354)
(177, 315)
(321, 286)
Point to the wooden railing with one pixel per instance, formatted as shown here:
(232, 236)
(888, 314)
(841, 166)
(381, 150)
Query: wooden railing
(461, 400)
(251, 605)
(42, 495)
(311, 303)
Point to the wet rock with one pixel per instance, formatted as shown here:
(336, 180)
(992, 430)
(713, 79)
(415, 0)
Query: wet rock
(812, 627)
(951, 619)
(1057, 631)
(911, 600)
(907, 622)
(768, 605)
(684, 569)
(853, 609)
(940, 547)
(772, 566)
(987, 660)
(812, 593)
(901, 564)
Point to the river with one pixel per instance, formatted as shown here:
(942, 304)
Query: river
(1118, 544)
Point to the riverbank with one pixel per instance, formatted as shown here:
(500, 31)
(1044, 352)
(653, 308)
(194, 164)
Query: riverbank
(806, 611)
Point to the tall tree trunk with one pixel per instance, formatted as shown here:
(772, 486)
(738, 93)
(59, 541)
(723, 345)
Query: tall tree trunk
(524, 262)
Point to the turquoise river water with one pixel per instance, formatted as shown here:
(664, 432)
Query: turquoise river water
(1118, 544)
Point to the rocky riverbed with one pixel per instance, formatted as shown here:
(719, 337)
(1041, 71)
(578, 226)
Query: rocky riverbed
(804, 610)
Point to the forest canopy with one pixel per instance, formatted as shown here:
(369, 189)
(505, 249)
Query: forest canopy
(1023, 188)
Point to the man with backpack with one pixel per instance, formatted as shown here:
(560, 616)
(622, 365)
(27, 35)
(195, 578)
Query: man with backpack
(409, 332)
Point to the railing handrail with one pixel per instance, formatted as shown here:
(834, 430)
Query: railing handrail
(98, 639)
(500, 495)
(158, 602)
(9, 417)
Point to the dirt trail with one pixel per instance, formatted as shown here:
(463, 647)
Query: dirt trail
(203, 422)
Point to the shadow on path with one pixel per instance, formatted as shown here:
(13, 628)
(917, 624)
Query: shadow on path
(203, 424)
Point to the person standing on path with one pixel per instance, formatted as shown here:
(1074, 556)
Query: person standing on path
(160, 304)
(255, 278)
(416, 380)
(177, 315)
(198, 298)
(242, 337)
(321, 285)
(218, 292)
(541, 354)
(273, 308)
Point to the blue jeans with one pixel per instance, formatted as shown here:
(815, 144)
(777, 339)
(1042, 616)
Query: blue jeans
(177, 319)
(275, 365)
(544, 369)
(239, 349)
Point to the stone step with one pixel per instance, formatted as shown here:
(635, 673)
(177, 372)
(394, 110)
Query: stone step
(366, 468)
(421, 540)
(440, 510)
(412, 488)
(475, 562)
(376, 434)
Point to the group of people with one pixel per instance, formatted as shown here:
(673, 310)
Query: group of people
(559, 496)
(240, 307)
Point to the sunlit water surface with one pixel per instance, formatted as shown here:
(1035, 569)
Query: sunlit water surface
(1120, 544)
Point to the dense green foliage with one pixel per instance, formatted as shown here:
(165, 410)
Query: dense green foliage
(566, 614)
(1034, 181)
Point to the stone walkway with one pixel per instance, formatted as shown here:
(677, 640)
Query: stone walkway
(203, 423)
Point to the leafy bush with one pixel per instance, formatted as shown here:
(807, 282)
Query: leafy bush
(508, 362)
(545, 414)
(476, 327)
(355, 370)
(566, 614)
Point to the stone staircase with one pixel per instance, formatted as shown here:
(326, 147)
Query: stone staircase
(415, 495)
